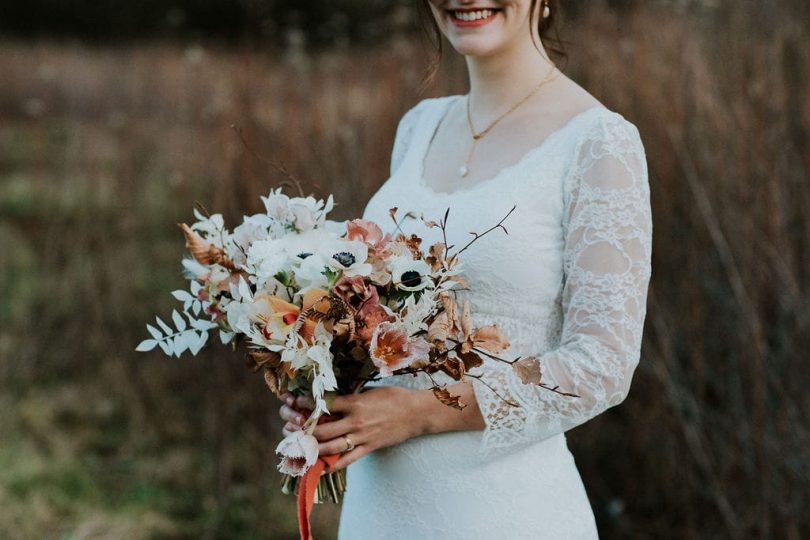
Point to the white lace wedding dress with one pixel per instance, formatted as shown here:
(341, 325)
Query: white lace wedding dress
(567, 284)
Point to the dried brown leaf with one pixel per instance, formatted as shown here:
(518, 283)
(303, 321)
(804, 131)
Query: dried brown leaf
(436, 257)
(471, 360)
(454, 367)
(428, 223)
(528, 370)
(490, 339)
(203, 251)
(466, 319)
(414, 242)
(272, 381)
(267, 359)
(461, 281)
(439, 329)
(443, 395)
(451, 309)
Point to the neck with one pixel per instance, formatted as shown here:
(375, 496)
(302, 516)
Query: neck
(499, 80)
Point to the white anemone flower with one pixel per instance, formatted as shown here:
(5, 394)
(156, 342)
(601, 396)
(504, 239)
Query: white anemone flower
(301, 245)
(409, 274)
(349, 257)
(336, 227)
(309, 272)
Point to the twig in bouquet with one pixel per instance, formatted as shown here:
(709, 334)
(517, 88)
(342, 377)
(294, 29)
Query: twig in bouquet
(477, 236)
(480, 379)
(393, 213)
(485, 353)
(443, 225)
(555, 389)
(291, 180)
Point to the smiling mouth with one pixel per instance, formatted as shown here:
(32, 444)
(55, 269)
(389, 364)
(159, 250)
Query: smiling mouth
(472, 17)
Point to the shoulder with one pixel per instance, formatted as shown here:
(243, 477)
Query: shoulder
(408, 126)
(595, 122)
(609, 155)
(423, 107)
(611, 132)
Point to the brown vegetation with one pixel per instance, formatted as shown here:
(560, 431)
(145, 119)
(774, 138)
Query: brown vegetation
(102, 151)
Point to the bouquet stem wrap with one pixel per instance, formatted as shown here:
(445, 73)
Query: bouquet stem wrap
(306, 492)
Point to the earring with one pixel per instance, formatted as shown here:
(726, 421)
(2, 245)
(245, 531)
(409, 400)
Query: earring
(546, 9)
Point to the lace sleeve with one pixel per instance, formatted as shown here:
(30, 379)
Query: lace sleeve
(607, 227)
(404, 134)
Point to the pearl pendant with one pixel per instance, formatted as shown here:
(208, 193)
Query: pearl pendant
(546, 12)
(463, 170)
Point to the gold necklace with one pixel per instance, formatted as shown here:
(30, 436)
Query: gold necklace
(464, 169)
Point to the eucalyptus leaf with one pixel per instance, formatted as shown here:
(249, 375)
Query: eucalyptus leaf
(146, 345)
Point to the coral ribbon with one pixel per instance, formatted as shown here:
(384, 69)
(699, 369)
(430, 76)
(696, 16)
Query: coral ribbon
(306, 492)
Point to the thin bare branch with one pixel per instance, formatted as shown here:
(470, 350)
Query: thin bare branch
(290, 179)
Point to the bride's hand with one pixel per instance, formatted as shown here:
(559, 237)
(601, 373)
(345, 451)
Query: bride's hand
(376, 418)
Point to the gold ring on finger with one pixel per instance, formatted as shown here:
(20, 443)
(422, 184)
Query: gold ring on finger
(349, 444)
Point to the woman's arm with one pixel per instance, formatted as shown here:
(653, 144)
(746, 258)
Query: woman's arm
(607, 228)
(383, 416)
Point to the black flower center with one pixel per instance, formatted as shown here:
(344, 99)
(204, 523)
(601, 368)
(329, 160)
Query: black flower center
(345, 258)
(304, 255)
(411, 278)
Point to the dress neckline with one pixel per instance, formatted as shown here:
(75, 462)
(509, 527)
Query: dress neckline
(535, 150)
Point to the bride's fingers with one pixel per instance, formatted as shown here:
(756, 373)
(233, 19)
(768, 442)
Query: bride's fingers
(288, 414)
(331, 430)
(348, 458)
(304, 402)
(335, 446)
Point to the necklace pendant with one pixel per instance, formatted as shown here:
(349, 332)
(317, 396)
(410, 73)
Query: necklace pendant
(463, 171)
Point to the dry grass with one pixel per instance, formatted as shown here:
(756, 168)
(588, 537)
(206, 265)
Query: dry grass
(103, 150)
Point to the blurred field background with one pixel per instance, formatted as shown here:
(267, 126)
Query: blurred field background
(115, 118)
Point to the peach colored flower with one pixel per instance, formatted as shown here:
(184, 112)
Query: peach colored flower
(298, 451)
(368, 232)
(287, 313)
(391, 348)
(358, 294)
(369, 320)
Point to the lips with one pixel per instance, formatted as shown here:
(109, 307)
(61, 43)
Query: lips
(472, 17)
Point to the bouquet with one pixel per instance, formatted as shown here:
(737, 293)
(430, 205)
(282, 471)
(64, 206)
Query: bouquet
(324, 308)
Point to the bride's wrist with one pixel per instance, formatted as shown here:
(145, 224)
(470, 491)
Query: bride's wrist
(431, 416)
(422, 413)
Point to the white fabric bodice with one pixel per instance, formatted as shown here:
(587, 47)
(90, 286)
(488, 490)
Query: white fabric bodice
(567, 284)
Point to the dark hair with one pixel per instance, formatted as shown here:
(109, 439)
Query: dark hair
(547, 29)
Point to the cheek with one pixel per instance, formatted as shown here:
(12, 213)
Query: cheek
(518, 12)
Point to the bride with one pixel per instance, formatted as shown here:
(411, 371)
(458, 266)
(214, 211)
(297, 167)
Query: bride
(567, 284)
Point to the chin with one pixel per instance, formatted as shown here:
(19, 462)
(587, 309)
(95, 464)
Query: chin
(475, 47)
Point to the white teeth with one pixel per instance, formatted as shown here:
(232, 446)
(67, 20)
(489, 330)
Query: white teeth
(472, 15)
